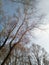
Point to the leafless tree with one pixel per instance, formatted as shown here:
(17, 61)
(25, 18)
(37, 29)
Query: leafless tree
(18, 27)
(41, 56)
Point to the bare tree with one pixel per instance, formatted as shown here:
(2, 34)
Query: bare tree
(18, 27)
(41, 56)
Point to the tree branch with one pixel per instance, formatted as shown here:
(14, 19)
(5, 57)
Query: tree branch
(6, 38)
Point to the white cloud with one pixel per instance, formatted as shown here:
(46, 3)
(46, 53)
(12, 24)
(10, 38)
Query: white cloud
(42, 36)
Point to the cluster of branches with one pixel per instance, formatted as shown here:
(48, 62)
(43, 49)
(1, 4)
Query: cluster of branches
(22, 29)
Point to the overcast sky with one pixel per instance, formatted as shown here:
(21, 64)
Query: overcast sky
(42, 37)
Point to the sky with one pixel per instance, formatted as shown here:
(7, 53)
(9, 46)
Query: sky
(41, 36)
